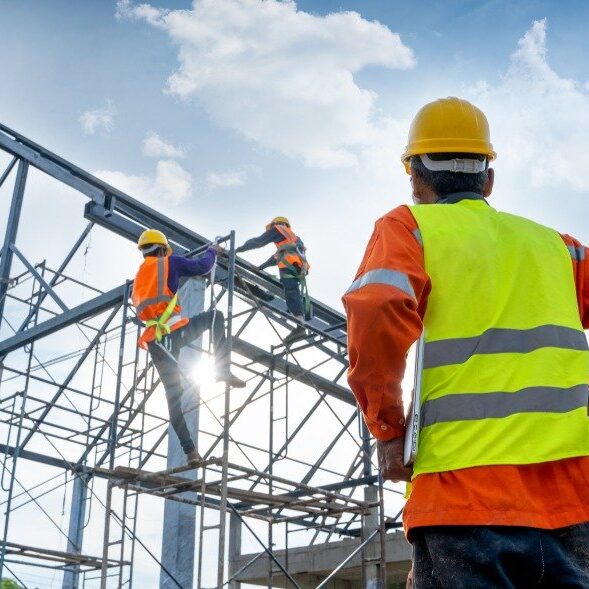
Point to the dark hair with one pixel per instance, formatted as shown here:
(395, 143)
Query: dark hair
(444, 183)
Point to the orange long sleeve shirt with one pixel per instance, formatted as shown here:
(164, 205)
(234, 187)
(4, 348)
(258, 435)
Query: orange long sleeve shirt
(383, 322)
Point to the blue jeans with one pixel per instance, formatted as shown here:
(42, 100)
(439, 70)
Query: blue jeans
(501, 557)
(292, 293)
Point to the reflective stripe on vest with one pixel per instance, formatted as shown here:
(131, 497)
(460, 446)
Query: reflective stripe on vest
(162, 294)
(577, 253)
(158, 310)
(501, 341)
(506, 361)
(386, 277)
(287, 251)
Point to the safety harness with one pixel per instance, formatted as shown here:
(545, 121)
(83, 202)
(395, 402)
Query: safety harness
(295, 247)
(161, 325)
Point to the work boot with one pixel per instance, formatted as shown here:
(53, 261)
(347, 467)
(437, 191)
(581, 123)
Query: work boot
(233, 381)
(297, 333)
(193, 456)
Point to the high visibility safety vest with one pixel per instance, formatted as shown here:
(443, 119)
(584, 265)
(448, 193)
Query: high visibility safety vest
(154, 302)
(290, 252)
(506, 362)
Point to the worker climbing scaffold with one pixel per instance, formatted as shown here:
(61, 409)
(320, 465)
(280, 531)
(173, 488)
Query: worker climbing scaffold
(156, 302)
(291, 259)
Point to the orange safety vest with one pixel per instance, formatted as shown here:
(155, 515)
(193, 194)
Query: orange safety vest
(289, 251)
(153, 300)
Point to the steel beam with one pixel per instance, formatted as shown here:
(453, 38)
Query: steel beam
(56, 276)
(39, 420)
(293, 371)
(48, 162)
(48, 288)
(12, 230)
(51, 461)
(108, 201)
(8, 170)
(75, 315)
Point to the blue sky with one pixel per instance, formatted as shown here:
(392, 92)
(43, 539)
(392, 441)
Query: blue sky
(246, 157)
(233, 111)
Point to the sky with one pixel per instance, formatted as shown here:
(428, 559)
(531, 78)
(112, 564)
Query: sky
(226, 113)
(229, 112)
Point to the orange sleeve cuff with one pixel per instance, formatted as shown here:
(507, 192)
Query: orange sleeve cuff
(391, 424)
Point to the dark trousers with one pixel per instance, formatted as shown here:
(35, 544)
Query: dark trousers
(502, 557)
(165, 359)
(292, 293)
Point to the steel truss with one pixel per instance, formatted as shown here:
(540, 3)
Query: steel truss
(286, 463)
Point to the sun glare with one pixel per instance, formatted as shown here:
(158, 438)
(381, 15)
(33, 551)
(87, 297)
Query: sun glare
(204, 375)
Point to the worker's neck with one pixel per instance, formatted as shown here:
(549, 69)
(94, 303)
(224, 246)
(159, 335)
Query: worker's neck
(455, 197)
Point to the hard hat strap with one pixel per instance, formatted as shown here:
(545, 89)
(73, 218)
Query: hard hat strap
(151, 248)
(465, 166)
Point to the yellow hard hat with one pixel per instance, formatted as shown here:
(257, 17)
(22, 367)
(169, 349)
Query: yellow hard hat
(449, 125)
(153, 237)
(278, 221)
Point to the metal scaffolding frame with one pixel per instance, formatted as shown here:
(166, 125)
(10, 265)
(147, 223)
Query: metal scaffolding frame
(95, 419)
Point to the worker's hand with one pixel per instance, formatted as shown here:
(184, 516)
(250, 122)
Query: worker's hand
(409, 582)
(390, 461)
(218, 249)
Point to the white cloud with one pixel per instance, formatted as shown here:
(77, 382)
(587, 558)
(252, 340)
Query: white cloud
(539, 120)
(171, 183)
(155, 146)
(98, 119)
(281, 77)
(227, 179)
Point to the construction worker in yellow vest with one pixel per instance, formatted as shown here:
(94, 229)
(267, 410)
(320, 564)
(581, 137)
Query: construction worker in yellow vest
(291, 259)
(500, 477)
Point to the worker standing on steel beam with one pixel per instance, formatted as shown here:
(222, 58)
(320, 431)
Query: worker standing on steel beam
(156, 302)
(500, 479)
(291, 259)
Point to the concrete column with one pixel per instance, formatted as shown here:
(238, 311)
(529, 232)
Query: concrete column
(372, 549)
(178, 538)
(234, 547)
(371, 521)
(71, 575)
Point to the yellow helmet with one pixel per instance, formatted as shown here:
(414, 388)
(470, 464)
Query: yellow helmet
(278, 221)
(153, 237)
(449, 125)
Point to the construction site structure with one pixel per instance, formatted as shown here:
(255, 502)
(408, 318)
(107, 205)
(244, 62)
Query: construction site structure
(95, 489)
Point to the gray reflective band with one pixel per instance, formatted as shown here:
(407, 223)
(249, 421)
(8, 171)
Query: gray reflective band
(160, 296)
(501, 341)
(383, 276)
(161, 271)
(153, 301)
(469, 406)
(577, 253)
(417, 235)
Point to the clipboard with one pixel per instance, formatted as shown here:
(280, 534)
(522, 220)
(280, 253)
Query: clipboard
(412, 428)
